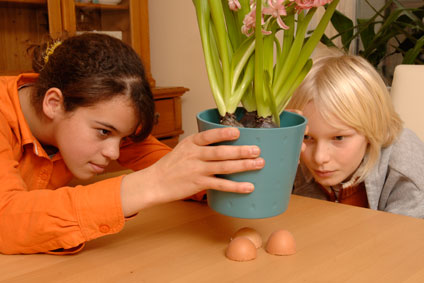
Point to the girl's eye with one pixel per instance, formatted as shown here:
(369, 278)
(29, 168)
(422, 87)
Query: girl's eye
(306, 137)
(103, 132)
(125, 140)
(339, 138)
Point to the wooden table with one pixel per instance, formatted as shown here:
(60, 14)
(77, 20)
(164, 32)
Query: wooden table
(185, 242)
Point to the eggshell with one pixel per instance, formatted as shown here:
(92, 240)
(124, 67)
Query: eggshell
(281, 242)
(241, 249)
(250, 233)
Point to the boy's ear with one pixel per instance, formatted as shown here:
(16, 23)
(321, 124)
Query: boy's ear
(53, 103)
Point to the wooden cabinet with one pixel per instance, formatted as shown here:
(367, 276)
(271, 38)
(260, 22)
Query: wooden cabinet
(25, 22)
(168, 110)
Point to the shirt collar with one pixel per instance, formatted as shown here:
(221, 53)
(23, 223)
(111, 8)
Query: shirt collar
(26, 134)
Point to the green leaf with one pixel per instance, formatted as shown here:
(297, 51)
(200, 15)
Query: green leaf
(234, 34)
(384, 34)
(203, 20)
(248, 100)
(269, 51)
(288, 38)
(304, 53)
(419, 22)
(344, 26)
(288, 35)
(246, 82)
(263, 110)
(327, 41)
(240, 59)
(293, 56)
(214, 57)
(367, 32)
(412, 54)
(295, 85)
(222, 40)
(242, 12)
(271, 98)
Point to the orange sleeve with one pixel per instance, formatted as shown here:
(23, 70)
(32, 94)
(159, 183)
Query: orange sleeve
(46, 220)
(41, 220)
(60, 221)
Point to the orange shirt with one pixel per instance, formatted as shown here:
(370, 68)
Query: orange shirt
(38, 212)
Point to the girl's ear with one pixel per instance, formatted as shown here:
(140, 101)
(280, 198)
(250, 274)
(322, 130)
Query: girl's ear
(53, 103)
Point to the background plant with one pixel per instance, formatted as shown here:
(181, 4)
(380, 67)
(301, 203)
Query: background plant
(393, 30)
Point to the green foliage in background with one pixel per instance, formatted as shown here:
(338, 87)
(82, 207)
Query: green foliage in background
(391, 25)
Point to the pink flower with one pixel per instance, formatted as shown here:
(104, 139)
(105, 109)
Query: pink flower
(234, 5)
(276, 9)
(248, 27)
(249, 23)
(307, 4)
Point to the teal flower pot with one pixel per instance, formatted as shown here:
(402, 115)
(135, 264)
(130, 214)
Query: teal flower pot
(280, 147)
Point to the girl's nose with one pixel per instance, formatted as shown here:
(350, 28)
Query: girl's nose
(111, 150)
(322, 153)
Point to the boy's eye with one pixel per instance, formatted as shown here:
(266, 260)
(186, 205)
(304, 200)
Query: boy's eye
(339, 138)
(306, 137)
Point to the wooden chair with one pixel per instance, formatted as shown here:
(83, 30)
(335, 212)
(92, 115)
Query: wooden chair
(407, 94)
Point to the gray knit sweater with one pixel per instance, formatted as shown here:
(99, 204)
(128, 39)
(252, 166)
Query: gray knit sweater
(395, 184)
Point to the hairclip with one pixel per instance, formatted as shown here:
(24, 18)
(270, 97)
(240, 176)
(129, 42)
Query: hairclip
(50, 49)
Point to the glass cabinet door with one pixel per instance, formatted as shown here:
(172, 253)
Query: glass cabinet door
(112, 19)
(26, 22)
(23, 23)
(123, 19)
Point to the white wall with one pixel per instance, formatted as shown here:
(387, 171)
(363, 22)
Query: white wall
(365, 10)
(177, 58)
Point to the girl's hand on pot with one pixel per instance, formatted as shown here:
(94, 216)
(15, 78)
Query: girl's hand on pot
(190, 168)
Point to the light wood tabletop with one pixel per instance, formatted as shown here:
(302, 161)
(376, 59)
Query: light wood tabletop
(186, 241)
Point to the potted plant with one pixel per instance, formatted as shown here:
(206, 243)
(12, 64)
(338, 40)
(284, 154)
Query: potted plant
(392, 31)
(257, 53)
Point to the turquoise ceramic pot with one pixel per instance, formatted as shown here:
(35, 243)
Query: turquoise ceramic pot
(280, 147)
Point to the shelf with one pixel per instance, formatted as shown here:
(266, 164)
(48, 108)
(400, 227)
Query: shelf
(77, 4)
(101, 6)
(17, 2)
(166, 92)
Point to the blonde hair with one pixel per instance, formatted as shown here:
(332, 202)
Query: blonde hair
(348, 88)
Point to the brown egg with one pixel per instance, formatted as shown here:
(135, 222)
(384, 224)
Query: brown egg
(281, 242)
(250, 233)
(241, 249)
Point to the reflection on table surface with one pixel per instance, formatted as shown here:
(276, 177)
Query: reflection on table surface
(186, 241)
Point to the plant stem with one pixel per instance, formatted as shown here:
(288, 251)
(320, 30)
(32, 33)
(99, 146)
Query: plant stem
(203, 19)
(222, 43)
(293, 56)
(262, 108)
(304, 54)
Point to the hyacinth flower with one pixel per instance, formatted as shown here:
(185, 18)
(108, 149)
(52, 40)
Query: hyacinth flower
(248, 63)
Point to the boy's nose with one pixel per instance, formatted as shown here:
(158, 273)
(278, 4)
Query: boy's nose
(322, 153)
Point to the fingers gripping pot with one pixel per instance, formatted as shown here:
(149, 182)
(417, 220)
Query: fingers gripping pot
(280, 147)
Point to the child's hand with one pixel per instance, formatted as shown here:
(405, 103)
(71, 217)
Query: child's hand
(190, 168)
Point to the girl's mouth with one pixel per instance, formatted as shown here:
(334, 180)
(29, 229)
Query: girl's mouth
(98, 169)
